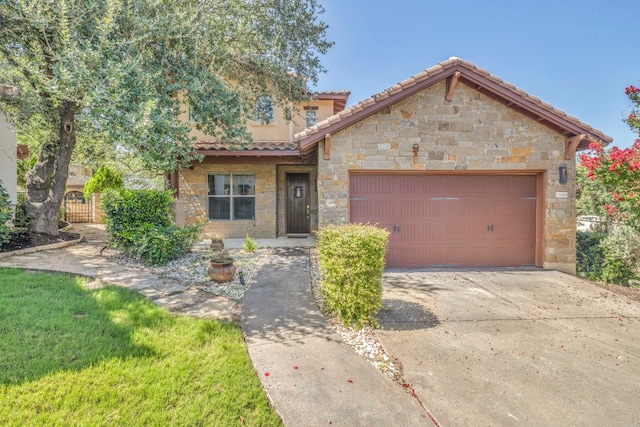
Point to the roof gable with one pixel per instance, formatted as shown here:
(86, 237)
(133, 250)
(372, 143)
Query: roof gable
(466, 73)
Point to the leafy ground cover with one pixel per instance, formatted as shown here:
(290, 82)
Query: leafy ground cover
(75, 354)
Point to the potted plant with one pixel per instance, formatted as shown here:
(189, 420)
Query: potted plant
(221, 268)
(216, 243)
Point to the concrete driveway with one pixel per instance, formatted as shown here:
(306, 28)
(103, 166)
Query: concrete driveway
(507, 347)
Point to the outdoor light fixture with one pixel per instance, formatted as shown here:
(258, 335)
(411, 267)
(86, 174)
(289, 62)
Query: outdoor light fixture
(416, 147)
(562, 171)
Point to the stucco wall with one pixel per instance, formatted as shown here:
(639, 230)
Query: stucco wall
(192, 206)
(8, 158)
(470, 133)
(280, 129)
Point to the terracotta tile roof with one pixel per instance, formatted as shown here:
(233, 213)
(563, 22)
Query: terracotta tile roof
(246, 146)
(477, 77)
(339, 97)
(334, 93)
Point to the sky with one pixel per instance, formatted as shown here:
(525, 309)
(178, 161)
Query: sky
(578, 56)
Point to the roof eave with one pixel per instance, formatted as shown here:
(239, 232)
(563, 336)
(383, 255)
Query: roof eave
(249, 153)
(470, 75)
(543, 114)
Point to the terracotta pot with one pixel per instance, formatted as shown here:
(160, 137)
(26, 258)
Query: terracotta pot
(221, 271)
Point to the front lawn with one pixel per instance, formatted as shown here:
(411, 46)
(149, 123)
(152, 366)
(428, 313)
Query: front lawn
(70, 355)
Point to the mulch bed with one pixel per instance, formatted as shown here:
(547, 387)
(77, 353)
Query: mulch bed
(24, 240)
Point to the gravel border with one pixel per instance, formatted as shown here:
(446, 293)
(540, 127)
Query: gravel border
(191, 269)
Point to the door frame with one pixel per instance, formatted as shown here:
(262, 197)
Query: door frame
(541, 187)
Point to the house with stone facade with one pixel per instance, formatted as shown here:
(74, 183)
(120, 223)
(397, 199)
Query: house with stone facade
(263, 188)
(462, 169)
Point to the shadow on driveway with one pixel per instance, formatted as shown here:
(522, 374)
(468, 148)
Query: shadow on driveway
(401, 315)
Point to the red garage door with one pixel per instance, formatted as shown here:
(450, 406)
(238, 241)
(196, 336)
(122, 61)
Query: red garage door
(450, 220)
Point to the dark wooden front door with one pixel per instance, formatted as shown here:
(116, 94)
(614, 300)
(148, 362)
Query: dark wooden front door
(298, 203)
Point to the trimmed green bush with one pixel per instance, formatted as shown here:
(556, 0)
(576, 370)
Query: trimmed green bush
(104, 179)
(128, 210)
(139, 222)
(352, 261)
(589, 254)
(6, 212)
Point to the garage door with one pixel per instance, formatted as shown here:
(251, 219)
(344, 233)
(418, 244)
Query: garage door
(450, 220)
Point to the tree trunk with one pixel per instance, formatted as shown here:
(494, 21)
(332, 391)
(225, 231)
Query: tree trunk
(47, 181)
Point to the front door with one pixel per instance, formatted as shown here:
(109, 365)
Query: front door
(298, 209)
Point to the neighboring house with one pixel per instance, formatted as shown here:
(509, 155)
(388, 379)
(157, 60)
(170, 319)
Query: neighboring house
(462, 168)
(78, 176)
(8, 149)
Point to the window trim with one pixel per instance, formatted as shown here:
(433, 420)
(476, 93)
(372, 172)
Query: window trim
(231, 196)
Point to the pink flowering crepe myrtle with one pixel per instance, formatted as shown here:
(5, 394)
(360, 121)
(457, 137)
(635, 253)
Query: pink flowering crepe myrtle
(618, 170)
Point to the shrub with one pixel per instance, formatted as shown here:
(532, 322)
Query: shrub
(352, 261)
(249, 245)
(104, 179)
(139, 222)
(6, 212)
(128, 210)
(622, 255)
(157, 244)
(609, 258)
(590, 255)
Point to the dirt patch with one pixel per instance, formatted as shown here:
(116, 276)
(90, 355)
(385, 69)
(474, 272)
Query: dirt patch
(25, 240)
(627, 291)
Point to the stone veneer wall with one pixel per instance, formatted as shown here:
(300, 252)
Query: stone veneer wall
(192, 205)
(282, 190)
(470, 133)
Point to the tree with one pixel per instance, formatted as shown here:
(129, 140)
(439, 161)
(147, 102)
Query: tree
(124, 70)
(103, 179)
(618, 170)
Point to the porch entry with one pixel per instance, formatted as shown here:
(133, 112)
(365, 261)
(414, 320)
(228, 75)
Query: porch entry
(298, 203)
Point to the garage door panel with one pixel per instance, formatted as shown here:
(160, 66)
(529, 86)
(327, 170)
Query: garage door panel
(450, 220)
(378, 209)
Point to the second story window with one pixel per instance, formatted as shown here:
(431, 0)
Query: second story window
(311, 118)
(263, 111)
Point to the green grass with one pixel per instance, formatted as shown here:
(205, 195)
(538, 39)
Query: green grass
(73, 356)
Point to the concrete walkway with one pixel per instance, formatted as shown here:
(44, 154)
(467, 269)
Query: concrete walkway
(85, 259)
(310, 375)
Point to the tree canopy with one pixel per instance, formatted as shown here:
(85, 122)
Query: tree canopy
(618, 171)
(120, 72)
